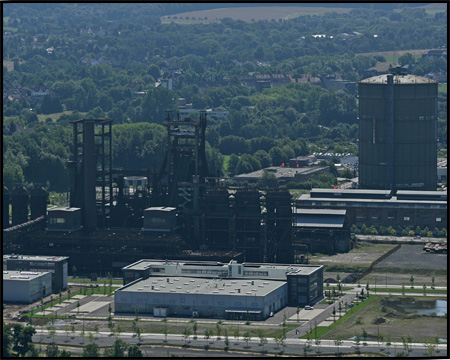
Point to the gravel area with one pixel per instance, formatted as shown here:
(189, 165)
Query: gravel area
(412, 256)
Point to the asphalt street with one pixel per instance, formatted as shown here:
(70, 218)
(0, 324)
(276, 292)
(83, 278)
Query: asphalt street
(292, 346)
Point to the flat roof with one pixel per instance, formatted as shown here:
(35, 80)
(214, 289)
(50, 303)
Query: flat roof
(34, 257)
(22, 275)
(191, 285)
(336, 212)
(64, 209)
(280, 171)
(145, 263)
(160, 208)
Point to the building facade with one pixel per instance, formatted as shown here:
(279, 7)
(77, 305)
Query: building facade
(56, 265)
(26, 286)
(402, 208)
(267, 284)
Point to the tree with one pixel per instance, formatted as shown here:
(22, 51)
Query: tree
(262, 337)
(52, 350)
(411, 281)
(72, 329)
(298, 311)
(219, 330)
(194, 329)
(7, 340)
(91, 350)
(165, 332)
(134, 351)
(247, 337)
(226, 341)
(65, 353)
(268, 180)
(22, 337)
(186, 334)
(432, 282)
(338, 343)
(236, 334)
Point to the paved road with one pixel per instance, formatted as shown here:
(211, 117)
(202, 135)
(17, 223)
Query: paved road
(292, 346)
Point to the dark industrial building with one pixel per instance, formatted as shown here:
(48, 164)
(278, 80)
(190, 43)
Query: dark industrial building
(404, 208)
(321, 231)
(179, 211)
(397, 132)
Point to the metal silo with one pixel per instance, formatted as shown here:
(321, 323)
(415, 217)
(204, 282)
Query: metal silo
(397, 132)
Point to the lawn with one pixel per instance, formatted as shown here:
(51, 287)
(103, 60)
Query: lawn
(442, 88)
(381, 316)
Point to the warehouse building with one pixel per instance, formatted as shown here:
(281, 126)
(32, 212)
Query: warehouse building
(56, 265)
(404, 208)
(212, 289)
(321, 230)
(26, 286)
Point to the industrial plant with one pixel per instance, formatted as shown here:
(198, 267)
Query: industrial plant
(116, 216)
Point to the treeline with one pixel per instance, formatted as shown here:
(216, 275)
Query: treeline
(208, 63)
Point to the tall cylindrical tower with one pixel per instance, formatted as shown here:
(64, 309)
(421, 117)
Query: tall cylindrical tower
(397, 132)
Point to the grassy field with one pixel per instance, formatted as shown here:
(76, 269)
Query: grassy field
(250, 14)
(55, 116)
(442, 88)
(382, 316)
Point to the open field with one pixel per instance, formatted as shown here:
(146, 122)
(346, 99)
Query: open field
(396, 53)
(250, 14)
(384, 316)
(361, 254)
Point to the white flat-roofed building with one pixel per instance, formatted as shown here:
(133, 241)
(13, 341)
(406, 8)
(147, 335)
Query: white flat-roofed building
(26, 286)
(56, 265)
(202, 297)
(310, 276)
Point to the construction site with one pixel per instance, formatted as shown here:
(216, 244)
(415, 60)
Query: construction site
(116, 216)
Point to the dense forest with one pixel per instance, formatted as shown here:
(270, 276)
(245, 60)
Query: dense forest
(69, 61)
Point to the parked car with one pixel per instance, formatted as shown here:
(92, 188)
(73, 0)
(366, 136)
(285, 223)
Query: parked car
(307, 307)
(351, 305)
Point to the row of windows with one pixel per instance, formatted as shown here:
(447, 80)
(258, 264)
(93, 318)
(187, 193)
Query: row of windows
(161, 270)
(256, 273)
(204, 271)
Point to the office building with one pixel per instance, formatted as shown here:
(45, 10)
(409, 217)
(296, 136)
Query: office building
(26, 286)
(56, 265)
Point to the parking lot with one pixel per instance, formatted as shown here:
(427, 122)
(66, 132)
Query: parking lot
(413, 256)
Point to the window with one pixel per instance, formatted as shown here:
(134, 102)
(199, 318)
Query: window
(183, 300)
(221, 303)
(406, 218)
(204, 303)
(438, 219)
(156, 300)
(236, 304)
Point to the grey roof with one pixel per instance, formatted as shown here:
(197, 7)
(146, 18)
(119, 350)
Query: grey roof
(399, 79)
(324, 218)
(22, 275)
(160, 208)
(35, 257)
(321, 211)
(64, 209)
(282, 172)
(191, 285)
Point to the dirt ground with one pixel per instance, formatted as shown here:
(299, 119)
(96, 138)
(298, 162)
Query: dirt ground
(362, 254)
(392, 322)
